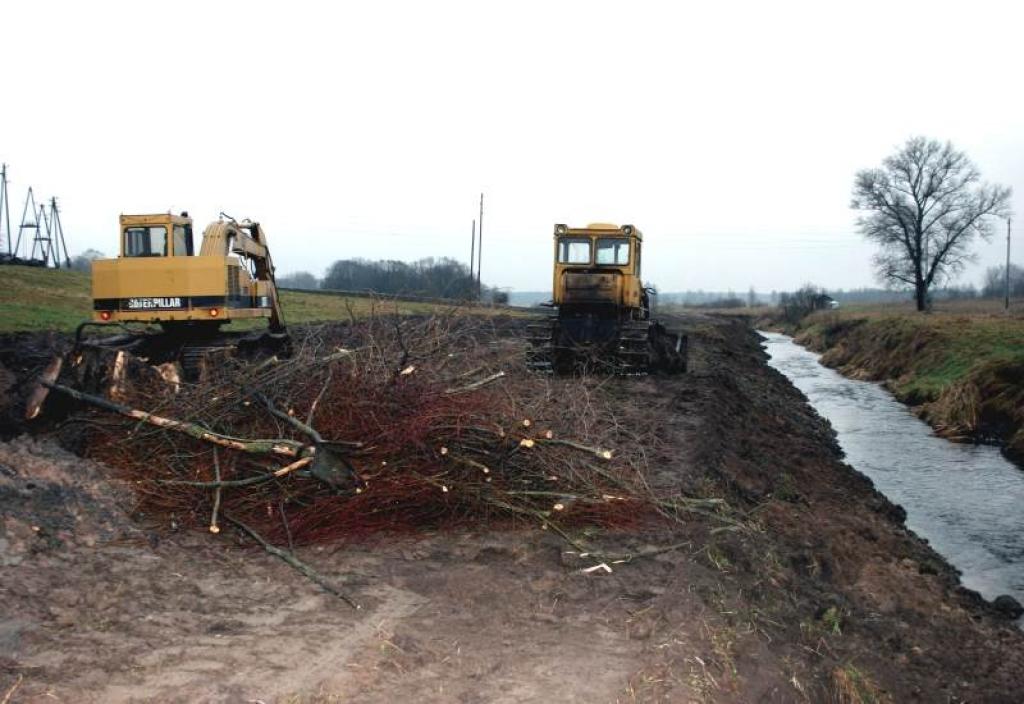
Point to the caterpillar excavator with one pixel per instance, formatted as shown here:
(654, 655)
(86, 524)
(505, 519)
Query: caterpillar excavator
(603, 319)
(171, 303)
(159, 280)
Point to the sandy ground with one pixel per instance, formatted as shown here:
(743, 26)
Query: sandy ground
(820, 595)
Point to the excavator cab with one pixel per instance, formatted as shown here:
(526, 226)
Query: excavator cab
(156, 235)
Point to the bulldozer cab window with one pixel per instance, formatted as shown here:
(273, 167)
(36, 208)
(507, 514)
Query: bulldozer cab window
(613, 250)
(574, 251)
(183, 240)
(145, 241)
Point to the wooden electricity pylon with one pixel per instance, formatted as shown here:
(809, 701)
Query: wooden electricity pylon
(55, 236)
(29, 221)
(5, 217)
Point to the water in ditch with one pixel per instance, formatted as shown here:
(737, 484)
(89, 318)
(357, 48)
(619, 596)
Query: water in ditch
(966, 500)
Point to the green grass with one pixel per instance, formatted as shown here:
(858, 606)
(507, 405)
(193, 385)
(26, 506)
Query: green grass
(931, 352)
(963, 349)
(962, 367)
(34, 298)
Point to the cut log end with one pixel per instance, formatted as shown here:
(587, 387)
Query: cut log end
(41, 389)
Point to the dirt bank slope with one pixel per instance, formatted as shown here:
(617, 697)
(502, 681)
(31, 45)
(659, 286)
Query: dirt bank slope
(807, 588)
(964, 374)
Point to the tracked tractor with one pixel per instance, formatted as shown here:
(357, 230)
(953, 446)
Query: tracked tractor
(184, 296)
(603, 319)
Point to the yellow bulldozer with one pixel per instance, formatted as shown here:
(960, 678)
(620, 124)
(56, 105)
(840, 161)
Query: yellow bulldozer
(603, 318)
(159, 279)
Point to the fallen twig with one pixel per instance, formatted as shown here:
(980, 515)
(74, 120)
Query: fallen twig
(307, 571)
(276, 446)
(596, 451)
(214, 528)
(475, 385)
(304, 428)
(13, 689)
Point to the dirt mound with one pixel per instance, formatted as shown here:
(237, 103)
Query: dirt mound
(51, 499)
(22, 357)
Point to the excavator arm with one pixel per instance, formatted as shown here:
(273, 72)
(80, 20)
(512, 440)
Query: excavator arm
(246, 239)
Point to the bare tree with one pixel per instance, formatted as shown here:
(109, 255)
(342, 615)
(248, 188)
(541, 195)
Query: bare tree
(926, 205)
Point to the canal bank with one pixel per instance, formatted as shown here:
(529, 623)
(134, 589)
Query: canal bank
(962, 372)
(967, 500)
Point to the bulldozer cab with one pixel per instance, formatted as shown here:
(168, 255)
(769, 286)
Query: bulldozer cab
(598, 266)
(162, 235)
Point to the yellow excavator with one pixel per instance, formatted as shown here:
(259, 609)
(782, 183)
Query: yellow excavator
(603, 318)
(158, 279)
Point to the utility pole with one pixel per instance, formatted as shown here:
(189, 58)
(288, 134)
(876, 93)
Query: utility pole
(5, 213)
(480, 250)
(27, 223)
(472, 252)
(1006, 305)
(58, 233)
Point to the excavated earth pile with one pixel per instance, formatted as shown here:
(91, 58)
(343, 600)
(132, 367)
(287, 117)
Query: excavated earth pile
(702, 540)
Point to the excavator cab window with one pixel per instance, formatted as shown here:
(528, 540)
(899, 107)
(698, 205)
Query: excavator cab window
(183, 240)
(613, 251)
(145, 241)
(574, 250)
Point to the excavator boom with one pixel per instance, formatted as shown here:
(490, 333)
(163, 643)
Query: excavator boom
(245, 239)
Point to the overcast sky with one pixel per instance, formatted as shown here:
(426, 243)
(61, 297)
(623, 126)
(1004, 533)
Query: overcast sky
(728, 132)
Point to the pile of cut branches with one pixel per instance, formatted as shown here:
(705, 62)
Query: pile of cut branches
(383, 425)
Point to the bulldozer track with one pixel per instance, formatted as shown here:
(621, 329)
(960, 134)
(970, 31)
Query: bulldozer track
(639, 348)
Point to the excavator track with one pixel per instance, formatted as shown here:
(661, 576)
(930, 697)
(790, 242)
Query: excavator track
(198, 359)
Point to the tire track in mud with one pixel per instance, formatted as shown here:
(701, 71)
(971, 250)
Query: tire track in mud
(289, 653)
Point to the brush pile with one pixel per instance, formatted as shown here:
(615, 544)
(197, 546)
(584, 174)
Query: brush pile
(384, 425)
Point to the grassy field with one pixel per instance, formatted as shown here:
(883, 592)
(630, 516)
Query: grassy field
(922, 354)
(33, 298)
(962, 365)
(932, 351)
(47, 299)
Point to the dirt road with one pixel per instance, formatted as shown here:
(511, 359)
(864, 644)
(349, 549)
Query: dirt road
(816, 593)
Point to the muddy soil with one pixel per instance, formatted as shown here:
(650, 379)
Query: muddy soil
(812, 591)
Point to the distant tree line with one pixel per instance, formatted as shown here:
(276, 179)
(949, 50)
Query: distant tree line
(995, 282)
(805, 300)
(430, 278)
(436, 278)
(300, 279)
(83, 261)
